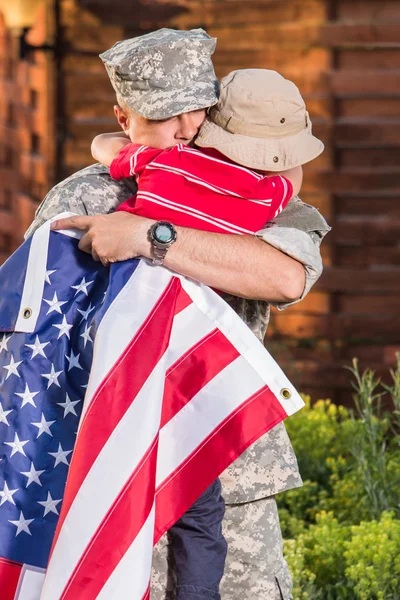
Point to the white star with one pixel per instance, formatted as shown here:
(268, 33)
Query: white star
(86, 335)
(68, 406)
(22, 524)
(55, 304)
(47, 276)
(82, 287)
(4, 342)
(104, 297)
(32, 475)
(52, 377)
(43, 426)
(7, 495)
(86, 313)
(73, 361)
(3, 415)
(37, 348)
(27, 396)
(12, 368)
(60, 455)
(17, 445)
(49, 505)
(64, 328)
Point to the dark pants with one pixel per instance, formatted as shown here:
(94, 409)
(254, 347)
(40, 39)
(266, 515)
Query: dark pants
(199, 548)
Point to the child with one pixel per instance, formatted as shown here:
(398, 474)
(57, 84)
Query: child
(259, 126)
(206, 189)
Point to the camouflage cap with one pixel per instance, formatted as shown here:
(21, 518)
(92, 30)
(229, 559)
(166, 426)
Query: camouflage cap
(164, 73)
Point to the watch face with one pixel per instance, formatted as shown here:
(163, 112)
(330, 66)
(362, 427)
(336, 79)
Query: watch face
(163, 233)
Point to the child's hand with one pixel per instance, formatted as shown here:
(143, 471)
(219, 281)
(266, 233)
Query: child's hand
(105, 147)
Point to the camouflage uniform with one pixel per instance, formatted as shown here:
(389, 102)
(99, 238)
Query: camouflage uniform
(255, 567)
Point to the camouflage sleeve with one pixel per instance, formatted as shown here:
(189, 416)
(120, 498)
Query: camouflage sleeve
(298, 232)
(90, 191)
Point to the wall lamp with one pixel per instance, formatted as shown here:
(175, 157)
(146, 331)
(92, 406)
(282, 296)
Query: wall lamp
(20, 16)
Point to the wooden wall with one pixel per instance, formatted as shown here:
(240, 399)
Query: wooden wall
(345, 57)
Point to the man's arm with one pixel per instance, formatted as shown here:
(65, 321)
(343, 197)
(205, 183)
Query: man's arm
(240, 265)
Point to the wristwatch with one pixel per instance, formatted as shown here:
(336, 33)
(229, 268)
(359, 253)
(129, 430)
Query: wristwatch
(161, 235)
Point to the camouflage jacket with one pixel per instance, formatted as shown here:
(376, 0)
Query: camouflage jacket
(270, 465)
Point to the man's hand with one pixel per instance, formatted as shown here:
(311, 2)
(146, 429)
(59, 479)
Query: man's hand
(111, 238)
(238, 264)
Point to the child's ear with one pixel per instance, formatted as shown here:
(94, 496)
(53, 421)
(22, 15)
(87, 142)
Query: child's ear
(122, 118)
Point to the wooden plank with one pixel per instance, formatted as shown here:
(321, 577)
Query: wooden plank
(378, 181)
(349, 327)
(368, 304)
(264, 35)
(368, 204)
(376, 10)
(353, 280)
(368, 58)
(383, 157)
(237, 14)
(368, 231)
(373, 33)
(361, 83)
(374, 180)
(271, 57)
(367, 256)
(367, 107)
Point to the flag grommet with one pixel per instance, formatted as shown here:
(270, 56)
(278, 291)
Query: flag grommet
(27, 313)
(285, 393)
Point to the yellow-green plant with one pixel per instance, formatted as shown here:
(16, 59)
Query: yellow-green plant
(372, 558)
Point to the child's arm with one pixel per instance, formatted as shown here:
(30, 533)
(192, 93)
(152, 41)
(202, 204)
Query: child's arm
(295, 176)
(106, 147)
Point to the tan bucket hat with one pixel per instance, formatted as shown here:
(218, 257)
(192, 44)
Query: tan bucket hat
(260, 122)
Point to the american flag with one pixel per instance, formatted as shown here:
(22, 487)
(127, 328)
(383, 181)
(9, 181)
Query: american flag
(144, 385)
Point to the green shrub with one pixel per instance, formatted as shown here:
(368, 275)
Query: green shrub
(342, 528)
(373, 559)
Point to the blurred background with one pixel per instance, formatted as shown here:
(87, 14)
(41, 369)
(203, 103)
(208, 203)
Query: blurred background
(345, 57)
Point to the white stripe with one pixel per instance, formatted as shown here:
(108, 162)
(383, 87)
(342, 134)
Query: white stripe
(194, 179)
(194, 213)
(285, 187)
(203, 414)
(32, 293)
(114, 465)
(244, 340)
(234, 166)
(30, 583)
(127, 579)
(189, 327)
(133, 160)
(123, 319)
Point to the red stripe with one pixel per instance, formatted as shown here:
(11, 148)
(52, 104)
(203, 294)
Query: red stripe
(147, 594)
(116, 533)
(9, 577)
(259, 414)
(193, 370)
(183, 301)
(122, 383)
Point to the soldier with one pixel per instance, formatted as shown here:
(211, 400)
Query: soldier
(164, 81)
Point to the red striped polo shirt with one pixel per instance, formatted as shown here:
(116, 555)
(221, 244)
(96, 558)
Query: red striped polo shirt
(199, 189)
